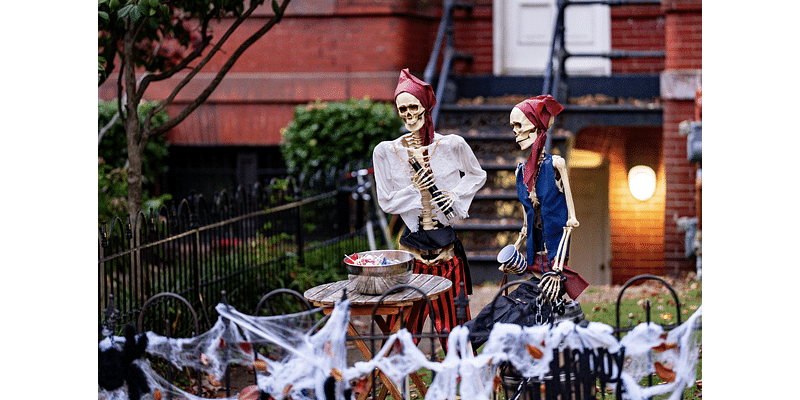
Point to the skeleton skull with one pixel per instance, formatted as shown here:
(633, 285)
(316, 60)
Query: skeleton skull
(411, 111)
(524, 130)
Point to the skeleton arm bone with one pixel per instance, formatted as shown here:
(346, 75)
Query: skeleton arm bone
(551, 284)
(561, 166)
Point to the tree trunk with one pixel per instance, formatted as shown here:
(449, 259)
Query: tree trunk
(133, 129)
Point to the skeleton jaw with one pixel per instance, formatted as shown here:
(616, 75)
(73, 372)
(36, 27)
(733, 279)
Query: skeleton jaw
(525, 141)
(414, 122)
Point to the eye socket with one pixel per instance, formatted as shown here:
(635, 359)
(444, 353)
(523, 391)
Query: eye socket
(402, 109)
(413, 107)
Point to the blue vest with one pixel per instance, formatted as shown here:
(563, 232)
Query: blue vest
(553, 213)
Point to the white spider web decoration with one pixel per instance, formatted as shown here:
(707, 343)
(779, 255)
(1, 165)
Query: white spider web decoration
(310, 355)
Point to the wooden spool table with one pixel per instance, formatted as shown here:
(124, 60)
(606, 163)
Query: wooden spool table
(326, 296)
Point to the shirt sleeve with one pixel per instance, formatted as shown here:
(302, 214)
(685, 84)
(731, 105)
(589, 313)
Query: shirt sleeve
(396, 193)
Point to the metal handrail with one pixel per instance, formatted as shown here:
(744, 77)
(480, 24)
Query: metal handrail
(444, 35)
(555, 76)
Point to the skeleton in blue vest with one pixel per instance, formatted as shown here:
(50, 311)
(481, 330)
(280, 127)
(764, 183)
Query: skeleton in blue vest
(543, 189)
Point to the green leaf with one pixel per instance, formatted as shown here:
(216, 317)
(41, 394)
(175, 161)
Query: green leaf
(276, 8)
(125, 12)
(103, 15)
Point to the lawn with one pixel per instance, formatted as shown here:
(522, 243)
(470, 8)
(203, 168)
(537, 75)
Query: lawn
(663, 311)
(599, 305)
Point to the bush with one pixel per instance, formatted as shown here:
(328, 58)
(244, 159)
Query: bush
(324, 135)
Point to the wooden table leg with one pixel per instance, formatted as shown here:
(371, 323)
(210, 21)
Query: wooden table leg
(387, 383)
(423, 390)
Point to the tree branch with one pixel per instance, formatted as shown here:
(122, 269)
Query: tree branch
(207, 58)
(186, 60)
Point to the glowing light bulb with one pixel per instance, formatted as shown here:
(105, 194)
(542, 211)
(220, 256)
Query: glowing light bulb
(642, 182)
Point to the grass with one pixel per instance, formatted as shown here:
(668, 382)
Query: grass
(663, 311)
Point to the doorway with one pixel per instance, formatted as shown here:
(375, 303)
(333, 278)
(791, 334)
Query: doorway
(523, 32)
(590, 247)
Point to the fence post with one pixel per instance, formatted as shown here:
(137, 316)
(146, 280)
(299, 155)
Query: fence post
(194, 224)
(300, 237)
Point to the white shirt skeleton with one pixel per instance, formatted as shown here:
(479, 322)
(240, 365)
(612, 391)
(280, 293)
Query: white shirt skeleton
(449, 154)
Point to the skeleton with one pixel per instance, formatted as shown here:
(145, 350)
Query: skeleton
(412, 113)
(526, 133)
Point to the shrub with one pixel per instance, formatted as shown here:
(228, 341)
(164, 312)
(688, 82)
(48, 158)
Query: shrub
(324, 135)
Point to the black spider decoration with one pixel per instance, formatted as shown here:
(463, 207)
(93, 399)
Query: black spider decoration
(116, 367)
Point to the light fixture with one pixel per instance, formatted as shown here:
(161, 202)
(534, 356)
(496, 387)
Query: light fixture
(580, 158)
(642, 182)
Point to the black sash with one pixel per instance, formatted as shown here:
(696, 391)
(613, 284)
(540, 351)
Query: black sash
(435, 239)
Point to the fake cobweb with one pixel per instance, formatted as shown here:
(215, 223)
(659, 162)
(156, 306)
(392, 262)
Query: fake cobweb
(308, 360)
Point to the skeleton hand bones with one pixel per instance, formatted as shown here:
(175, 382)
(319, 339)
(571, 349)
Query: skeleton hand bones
(424, 180)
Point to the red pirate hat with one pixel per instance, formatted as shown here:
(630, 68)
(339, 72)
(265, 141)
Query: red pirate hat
(424, 93)
(538, 110)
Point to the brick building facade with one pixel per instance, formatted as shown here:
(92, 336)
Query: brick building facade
(333, 50)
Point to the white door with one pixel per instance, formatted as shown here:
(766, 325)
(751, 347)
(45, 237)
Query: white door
(523, 32)
(590, 247)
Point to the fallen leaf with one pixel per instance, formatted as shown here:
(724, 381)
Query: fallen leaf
(203, 359)
(260, 365)
(213, 380)
(360, 386)
(336, 374)
(664, 373)
(157, 395)
(664, 346)
(249, 393)
(328, 349)
(534, 351)
(286, 390)
(221, 343)
(246, 347)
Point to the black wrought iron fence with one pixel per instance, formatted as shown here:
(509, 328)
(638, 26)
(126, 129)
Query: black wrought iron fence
(245, 242)
(574, 373)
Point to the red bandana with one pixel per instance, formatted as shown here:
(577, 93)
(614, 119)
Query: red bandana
(424, 93)
(538, 109)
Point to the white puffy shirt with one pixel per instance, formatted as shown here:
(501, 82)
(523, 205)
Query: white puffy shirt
(450, 155)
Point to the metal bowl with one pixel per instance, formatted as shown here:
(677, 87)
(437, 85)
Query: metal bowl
(376, 279)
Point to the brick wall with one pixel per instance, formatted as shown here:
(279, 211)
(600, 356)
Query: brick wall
(637, 28)
(679, 82)
(329, 50)
(473, 34)
(684, 33)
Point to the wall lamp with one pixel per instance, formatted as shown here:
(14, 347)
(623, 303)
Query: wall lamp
(642, 158)
(642, 182)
